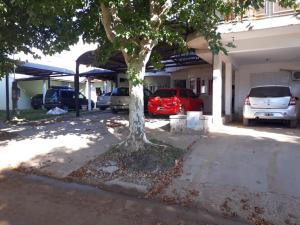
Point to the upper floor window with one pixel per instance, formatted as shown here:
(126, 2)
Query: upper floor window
(269, 9)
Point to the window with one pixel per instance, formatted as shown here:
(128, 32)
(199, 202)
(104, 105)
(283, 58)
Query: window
(98, 91)
(81, 96)
(165, 93)
(123, 91)
(270, 91)
(191, 94)
(67, 94)
(52, 94)
(152, 88)
(180, 83)
(203, 87)
(147, 93)
(193, 85)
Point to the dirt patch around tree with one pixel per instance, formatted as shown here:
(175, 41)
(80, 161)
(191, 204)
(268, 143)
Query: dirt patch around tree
(146, 172)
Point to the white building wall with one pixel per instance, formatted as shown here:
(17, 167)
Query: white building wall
(247, 76)
(155, 82)
(3, 92)
(29, 89)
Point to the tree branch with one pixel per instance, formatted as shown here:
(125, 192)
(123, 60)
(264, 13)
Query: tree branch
(107, 22)
(157, 12)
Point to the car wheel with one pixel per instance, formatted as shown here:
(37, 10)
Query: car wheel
(246, 122)
(114, 111)
(293, 123)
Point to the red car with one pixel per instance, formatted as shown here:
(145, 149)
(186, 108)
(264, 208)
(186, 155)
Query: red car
(170, 101)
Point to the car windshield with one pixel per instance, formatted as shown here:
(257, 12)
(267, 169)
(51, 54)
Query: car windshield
(164, 93)
(52, 94)
(120, 92)
(270, 91)
(67, 94)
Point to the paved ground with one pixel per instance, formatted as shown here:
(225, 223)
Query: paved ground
(245, 171)
(58, 148)
(31, 200)
(251, 172)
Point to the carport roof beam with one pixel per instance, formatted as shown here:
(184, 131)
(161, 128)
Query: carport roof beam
(35, 69)
(171, 57)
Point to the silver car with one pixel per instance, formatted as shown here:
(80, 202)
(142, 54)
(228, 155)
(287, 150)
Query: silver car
(120, 99)
(104, 101)
(270, 102)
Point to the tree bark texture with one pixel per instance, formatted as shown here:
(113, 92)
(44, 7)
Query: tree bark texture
(136, 71)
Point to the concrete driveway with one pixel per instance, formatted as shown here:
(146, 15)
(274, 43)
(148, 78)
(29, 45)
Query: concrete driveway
(57, 148)
(248, 172)
(251, 172)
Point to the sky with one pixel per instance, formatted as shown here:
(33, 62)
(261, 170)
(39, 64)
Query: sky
(65, 59)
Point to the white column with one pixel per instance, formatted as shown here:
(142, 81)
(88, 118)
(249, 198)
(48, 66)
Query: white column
(105, 86)
(44, 90)
(228, 89)
(217, 91)
(89, 94)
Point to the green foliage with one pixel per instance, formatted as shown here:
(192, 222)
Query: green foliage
(53, 26)
(133, 23)
(50, 26)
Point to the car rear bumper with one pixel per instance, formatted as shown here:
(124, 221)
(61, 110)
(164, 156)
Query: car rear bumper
(289, 113)
(98, 105)
(157, 110)
(119, 107)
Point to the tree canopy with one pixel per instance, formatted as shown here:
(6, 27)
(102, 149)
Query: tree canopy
(27, 24)
(52, 26)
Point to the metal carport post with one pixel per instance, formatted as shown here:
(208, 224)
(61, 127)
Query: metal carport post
(76, 86)
(7, 95)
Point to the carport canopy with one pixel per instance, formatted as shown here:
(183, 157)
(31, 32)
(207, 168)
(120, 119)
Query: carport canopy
(97, 73)
(171, 56)
(41, 70)
(101, 74)
(38, 71)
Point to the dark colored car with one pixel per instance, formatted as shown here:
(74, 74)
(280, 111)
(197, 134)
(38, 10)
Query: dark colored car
(170, 101)
(64, 98)
(37, 101)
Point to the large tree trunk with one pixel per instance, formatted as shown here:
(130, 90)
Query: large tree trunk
(137, 137)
